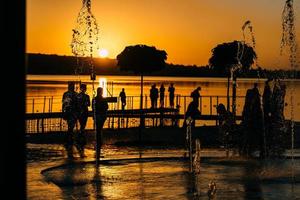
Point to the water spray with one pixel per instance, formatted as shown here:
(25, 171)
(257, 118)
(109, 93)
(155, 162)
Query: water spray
(189, 122)
(85, 43)
(288, 40)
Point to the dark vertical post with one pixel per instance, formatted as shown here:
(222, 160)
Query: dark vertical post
(234, 96)
(141, 98)
(228, 95)
(210, 104)
(44, 105)
(141, 117)
(217, 113)
(49, 104)
(184, 102)
(201, 104)
(33, 105)
(60, 124)
(37, 125)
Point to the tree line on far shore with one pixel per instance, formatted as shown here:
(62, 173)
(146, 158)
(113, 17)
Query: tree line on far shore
(70, 65)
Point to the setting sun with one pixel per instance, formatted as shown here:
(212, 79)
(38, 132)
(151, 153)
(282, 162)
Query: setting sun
(103, 53)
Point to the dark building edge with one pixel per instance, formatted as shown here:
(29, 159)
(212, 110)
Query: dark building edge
(13, 164)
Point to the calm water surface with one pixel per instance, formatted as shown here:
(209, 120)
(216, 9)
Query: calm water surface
(44, 93)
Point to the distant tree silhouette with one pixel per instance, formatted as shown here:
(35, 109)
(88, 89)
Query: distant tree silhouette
(226, 55)
(141, 59)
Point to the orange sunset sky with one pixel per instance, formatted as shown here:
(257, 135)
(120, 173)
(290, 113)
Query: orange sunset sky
(186, 29)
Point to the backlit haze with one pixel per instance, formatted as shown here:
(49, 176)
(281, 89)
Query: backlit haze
(186, 29)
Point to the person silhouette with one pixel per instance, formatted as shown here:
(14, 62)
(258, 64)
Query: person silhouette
(171, 91)
(226, 128)
(267, 102)
(192, 111)
(196, 95)
(100, 107)
(70, 115)
(122, 95)
(83, 102)
(153, 96)
(252, 123)
(162, 95)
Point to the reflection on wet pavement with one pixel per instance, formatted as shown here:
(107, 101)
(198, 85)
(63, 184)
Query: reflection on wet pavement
(164, 177)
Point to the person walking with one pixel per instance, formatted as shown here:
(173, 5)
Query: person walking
(70, 113)
(171, 91)
(122, 95)
(100, 107)
(162, 95)
(83, 102)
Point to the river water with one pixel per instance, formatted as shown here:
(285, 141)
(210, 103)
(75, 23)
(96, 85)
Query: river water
(44, 92)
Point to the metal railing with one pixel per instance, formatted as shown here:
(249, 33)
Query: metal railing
(48, 104)
(48, 113)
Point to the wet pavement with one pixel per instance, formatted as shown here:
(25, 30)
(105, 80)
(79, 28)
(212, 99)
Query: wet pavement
(161, 174)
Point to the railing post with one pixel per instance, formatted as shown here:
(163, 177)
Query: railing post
(184, 102)
(60, 124)
(201, 104)
(33, 105)
(210, 103)
(43, 130)
(44, 106)
(217, 122)
(37, 125)
(51, 103)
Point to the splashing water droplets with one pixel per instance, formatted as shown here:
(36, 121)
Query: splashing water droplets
(289, 42)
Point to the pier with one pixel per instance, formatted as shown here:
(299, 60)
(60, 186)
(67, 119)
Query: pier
(50, 119)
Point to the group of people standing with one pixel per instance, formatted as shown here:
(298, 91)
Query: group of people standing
(75, 109)
(262, 128)
(263, 120)
(155, 93)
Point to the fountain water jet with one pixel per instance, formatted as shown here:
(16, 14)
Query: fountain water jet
(85, 43)
(85, 38)
(289, 41)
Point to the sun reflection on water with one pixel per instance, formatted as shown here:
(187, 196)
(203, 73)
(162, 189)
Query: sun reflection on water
(103, 84)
